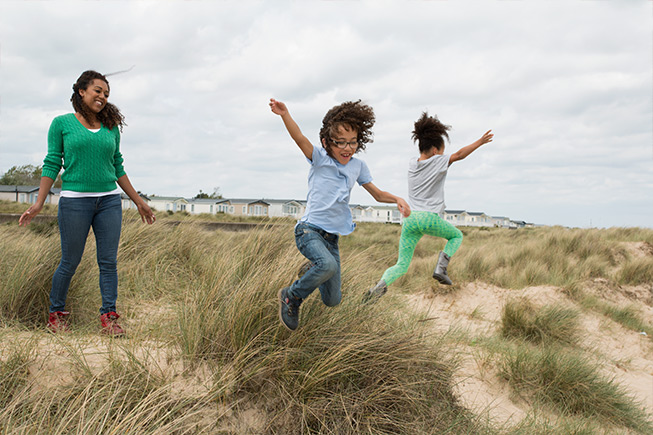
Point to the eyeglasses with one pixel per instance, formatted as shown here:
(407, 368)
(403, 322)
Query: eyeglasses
(342, 144)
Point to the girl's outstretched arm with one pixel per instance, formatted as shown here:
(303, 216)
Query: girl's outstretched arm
(465, 151)
(387, 197)
(302, 141)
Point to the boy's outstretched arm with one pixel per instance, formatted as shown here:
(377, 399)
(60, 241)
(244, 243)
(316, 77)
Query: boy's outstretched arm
(302, 141)
(383, 196)
(465, 151)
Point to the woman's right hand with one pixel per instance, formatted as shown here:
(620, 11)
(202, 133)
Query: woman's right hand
(30, 214)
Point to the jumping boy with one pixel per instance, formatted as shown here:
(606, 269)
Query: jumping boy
(346, 129)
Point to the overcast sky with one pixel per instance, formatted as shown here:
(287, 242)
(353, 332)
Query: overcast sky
(566, 87)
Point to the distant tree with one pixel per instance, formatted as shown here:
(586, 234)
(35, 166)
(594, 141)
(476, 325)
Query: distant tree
(215, 195)
(26, 175)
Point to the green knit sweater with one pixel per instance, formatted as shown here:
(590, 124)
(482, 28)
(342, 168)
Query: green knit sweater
(91, 161)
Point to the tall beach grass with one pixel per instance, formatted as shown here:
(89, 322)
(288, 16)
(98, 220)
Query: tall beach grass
(209, 299)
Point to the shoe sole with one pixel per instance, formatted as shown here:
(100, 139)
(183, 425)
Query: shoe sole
(109, 334)
(442, 280)
(372, 297)
(281, 308)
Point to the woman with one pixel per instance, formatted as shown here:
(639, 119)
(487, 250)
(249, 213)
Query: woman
(87, 144)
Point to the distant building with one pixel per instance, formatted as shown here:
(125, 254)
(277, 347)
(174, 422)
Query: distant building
(204, 205)
(128, 204)
(290, 208)
(27, 194)
(168, 203)
(500, 221)
(286, 208)
(375, 213)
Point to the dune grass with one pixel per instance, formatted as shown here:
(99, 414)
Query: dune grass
(123, 396)
(551, 323)
(572, 384)
(209, 300)
(19, 207)
(350, 369)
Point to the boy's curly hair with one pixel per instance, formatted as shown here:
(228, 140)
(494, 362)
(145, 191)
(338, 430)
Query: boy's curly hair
(110, 115)
(352, 115)
(429, 132)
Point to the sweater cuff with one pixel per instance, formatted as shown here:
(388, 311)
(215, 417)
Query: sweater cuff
(49, 174)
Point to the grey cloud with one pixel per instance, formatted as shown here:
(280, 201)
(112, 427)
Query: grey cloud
(566, 87)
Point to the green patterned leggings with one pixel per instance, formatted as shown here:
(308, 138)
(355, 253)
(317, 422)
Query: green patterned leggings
(413, 228)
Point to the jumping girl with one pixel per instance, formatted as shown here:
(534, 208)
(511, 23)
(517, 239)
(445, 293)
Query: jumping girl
(426, 175)
(346, 129)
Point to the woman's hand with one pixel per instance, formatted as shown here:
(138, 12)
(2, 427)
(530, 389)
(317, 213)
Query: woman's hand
(147, 215)
(30, 214)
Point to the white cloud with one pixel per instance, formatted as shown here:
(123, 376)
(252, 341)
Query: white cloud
(565, 86)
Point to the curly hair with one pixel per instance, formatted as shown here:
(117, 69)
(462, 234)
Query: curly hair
(351, 115)
(110, 115)
(429, 132)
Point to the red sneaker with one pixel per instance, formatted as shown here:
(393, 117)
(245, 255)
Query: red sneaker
(57, 322)
(110, 325)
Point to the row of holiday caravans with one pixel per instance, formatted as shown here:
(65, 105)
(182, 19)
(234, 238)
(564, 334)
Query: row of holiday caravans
(267, 207)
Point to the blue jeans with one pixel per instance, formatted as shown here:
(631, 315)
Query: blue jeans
(321, 248)
(76, 216)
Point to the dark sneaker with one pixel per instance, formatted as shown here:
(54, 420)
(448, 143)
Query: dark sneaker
(373, 294)
(289, 309)
(57, 321)
(110, 325)
(304, 268)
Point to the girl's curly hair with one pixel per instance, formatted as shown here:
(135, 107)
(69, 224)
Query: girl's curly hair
(352, 115)
(110, 115)
(430, 132)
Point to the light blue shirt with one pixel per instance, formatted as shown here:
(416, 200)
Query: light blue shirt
(329, 189)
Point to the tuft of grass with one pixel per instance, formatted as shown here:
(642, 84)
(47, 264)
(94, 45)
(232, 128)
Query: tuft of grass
(15, 360)
(27, 265)
(551, 323)
(637, 271)
(475, 267)
(572, 384)
(124, 397)
(627, 316)
(14, 207)
(537, 424)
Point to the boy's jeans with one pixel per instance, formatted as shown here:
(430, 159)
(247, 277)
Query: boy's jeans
(76, 216)
(321, 248)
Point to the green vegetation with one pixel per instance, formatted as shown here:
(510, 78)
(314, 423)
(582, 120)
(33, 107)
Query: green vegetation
(205, 351)
(572, 384)
(521, 319)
